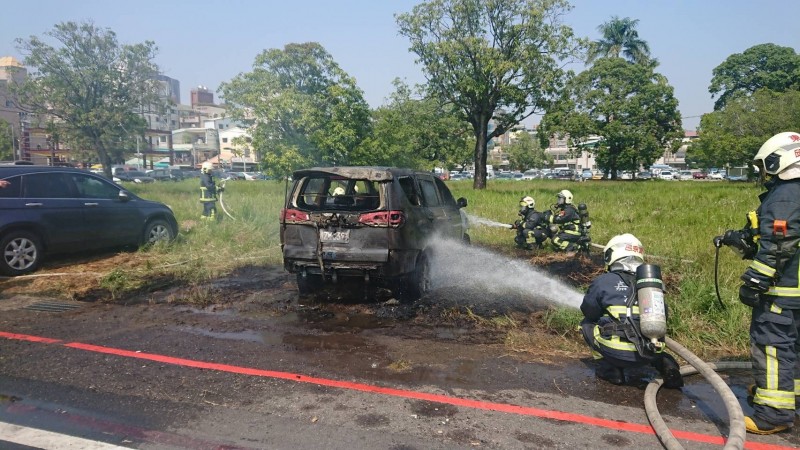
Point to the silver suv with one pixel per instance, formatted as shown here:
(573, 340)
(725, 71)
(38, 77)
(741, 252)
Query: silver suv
(372, 223)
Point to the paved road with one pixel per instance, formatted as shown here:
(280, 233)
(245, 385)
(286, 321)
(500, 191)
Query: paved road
(160, 377)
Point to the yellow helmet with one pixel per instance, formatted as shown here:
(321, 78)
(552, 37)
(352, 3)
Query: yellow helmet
(527, 201)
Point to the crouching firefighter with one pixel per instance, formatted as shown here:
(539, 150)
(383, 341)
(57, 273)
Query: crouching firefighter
(208, 192)
(532, 229)
(625, 317)
(771, 285)
(565, 223)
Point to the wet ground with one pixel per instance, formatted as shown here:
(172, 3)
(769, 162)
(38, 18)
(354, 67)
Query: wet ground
(455, 339)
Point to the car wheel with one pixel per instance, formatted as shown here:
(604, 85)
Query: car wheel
(419, 282)
(158, 230)
(22, 253)
(308, 284)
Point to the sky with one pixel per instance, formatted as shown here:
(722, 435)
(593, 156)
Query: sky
(207, 43)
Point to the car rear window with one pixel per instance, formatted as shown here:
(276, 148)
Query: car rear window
(333, 192)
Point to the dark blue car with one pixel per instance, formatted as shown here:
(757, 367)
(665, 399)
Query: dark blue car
(47, 210)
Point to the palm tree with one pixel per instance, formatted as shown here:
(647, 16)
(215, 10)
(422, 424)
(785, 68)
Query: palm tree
(620, 39)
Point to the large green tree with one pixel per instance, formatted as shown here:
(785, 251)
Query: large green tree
(415, 131)
(619, 39)
(89, 86)
(495, 60)
(302, 108)
(525, 153)
(762, 66)
(631, 107)
(733, 135)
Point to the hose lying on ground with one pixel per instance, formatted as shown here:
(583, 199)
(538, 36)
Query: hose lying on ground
(736, 433)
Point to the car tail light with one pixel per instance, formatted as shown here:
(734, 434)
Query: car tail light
(391, 219)
(293, 216)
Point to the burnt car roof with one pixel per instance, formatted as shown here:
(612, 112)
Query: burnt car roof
(371, 173)
(11, 170)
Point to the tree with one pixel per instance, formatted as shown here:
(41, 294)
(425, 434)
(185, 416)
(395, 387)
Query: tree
(494, 60)
(6, 141)
(90, 87)
(620, 39)
(762, 66)
(733, 135)
(417, 132)
(302, 108)
(525, 153)
(629, 106)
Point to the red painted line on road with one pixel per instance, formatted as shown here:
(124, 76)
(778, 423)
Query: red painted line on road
(401, 393)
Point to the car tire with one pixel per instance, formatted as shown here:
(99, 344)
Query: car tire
(308, 284)
(158, 230)
(419, 282)
(22, 253)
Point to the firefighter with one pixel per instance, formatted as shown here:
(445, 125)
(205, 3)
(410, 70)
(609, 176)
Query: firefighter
(771, 286)
(208, 192)
(565, 223)
(532, 229)
(607, 332)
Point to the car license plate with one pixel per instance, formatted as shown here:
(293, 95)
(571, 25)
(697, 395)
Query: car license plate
(340, 237)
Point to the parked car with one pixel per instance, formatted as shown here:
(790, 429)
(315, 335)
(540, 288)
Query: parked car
(530, 174)
(719, 175)
(597, 175)
(564, 174)
(48, 210)
(586, 174)
(699, 175)
(132, 176)
(165, 174)
(666, 175)
(646, 175)
(684, 175)
(370, 223)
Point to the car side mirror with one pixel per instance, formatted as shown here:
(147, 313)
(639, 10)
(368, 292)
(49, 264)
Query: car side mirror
(462, 202)
(123, 196)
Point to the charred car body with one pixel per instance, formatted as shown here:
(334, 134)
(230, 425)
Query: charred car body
(373, 223)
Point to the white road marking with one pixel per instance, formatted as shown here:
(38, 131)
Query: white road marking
(34, 437)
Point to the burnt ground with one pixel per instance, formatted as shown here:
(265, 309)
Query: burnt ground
(449, 338)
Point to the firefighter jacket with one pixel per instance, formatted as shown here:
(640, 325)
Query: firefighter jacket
(605, 306)
(568, 219)
(533, 219)
(208, 188)
(775, 265)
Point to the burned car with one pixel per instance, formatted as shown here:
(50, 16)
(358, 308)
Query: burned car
(372, 223)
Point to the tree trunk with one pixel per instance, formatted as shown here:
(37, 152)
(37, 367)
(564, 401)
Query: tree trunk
(104, 159)
(479, 182)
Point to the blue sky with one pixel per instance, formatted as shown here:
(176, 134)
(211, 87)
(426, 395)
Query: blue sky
(206, 43)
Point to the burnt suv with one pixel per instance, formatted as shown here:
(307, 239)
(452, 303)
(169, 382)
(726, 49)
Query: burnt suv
(46, 210)
(372, 223)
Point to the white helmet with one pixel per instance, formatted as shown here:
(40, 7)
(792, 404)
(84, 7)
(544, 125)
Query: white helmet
(621, 246)
(338, 191)
(779, 152)
(207, 167)
(566, 195)
(527, 201)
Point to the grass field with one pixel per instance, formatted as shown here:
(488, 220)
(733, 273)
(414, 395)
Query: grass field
(676, 222)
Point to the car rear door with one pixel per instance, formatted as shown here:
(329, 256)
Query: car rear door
(47, 199)
(435, 208)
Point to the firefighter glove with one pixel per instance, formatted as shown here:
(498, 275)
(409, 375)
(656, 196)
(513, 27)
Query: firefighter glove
(749, 296)
(740, 241)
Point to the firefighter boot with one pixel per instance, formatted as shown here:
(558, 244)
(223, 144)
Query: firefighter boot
(757, 426)
(670, 371)
(610, 373)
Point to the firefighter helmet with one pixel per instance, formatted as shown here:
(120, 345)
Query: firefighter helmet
(206, 167)
(621, 246)
(528, 202)
(566, 195)
(338, 191)
(778, 153)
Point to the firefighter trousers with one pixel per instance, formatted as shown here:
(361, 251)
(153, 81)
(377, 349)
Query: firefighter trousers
(774, 348)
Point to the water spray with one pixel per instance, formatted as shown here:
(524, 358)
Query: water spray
(487, 222)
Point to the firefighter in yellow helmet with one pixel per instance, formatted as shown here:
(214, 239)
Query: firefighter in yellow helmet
(565, 223)
(208, 192)
(532, 229)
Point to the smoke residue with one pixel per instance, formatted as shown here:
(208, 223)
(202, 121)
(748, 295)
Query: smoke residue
(467, 267)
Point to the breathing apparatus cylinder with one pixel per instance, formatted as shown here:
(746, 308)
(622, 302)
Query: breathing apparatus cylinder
(652, 309)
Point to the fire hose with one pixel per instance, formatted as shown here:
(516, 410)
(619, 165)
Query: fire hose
(222, 204)
(736, 427)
